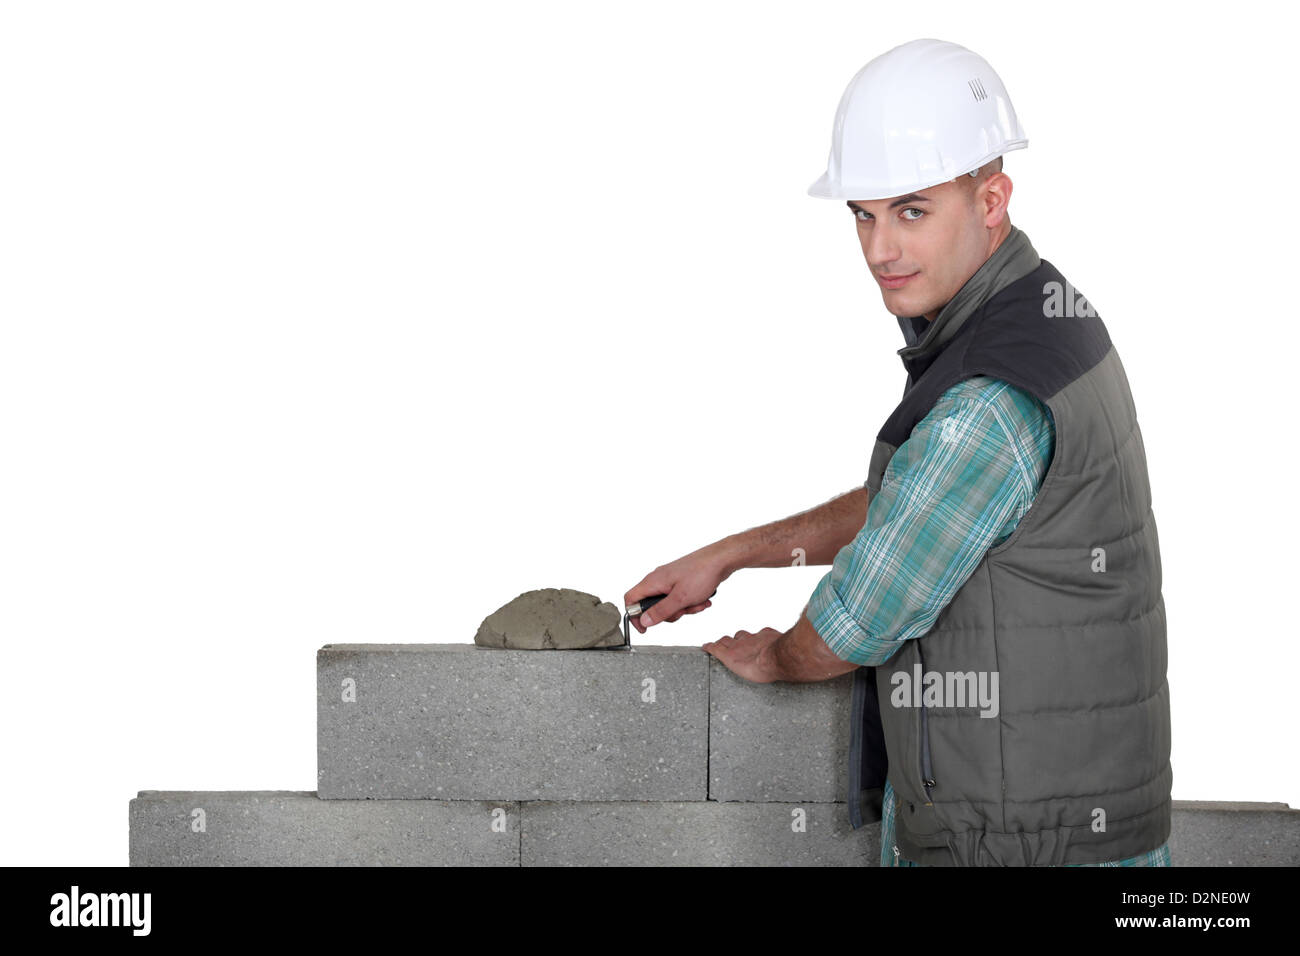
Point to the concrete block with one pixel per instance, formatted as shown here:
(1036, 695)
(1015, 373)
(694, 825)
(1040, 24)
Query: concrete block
(1213, 833)
(295, 828)
(694, 834)
(458, 721)
(778, 742)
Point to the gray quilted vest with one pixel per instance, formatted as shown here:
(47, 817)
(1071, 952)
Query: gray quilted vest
(1072, 765)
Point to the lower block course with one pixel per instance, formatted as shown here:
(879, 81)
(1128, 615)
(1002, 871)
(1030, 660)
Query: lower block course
(694, 834)
(1214, 833)
(295, 828)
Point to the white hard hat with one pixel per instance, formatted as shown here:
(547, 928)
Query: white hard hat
(918, 115)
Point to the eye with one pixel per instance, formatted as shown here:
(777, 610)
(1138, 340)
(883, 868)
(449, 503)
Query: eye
(861, 215)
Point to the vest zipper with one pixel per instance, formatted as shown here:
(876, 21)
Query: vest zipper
(927, 772)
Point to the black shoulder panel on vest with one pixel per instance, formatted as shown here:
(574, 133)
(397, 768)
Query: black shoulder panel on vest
(1038, 334)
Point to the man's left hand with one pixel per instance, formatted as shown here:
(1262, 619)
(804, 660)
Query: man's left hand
(747, 655)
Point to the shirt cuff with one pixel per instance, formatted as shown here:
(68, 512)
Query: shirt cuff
(846, 638)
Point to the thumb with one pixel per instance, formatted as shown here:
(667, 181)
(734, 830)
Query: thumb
(663, 609)
(655, 614)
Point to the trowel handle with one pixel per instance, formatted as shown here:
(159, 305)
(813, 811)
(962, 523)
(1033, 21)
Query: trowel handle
(646, 603)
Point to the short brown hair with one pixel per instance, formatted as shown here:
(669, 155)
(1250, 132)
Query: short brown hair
(969, 182)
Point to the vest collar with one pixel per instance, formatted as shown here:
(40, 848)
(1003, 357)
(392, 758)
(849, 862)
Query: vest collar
(1014, 259)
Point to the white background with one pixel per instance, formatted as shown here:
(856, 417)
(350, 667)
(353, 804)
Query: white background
(349, 322)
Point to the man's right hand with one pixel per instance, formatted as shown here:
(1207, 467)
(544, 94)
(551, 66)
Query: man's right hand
(688, 583)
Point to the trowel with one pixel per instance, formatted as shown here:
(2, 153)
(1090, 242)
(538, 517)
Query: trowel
(634, 610)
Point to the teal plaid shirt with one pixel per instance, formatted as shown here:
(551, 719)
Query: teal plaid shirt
(956, 488)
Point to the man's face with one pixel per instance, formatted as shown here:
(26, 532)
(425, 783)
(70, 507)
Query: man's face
(939, 237)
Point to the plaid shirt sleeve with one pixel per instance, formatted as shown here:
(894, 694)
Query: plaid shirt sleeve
(954, 489)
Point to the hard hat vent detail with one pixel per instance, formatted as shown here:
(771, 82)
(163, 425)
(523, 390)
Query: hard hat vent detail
(977, 88)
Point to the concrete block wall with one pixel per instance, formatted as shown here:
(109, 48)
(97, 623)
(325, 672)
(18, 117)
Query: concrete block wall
(455, 754)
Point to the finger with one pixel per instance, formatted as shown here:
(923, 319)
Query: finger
(693, 609)
(670, 608)
(648, 585)
(637, 594)
(662, 611)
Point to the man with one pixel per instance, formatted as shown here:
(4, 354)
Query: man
(995, 585)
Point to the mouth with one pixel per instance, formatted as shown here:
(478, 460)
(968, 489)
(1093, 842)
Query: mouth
(896, 282)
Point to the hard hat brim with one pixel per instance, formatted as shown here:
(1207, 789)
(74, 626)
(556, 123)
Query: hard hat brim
(825, 188)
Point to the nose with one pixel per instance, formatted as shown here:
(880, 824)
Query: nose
(880, 247)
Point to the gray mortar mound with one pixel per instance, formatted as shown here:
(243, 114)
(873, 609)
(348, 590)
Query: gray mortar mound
(552, 619)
